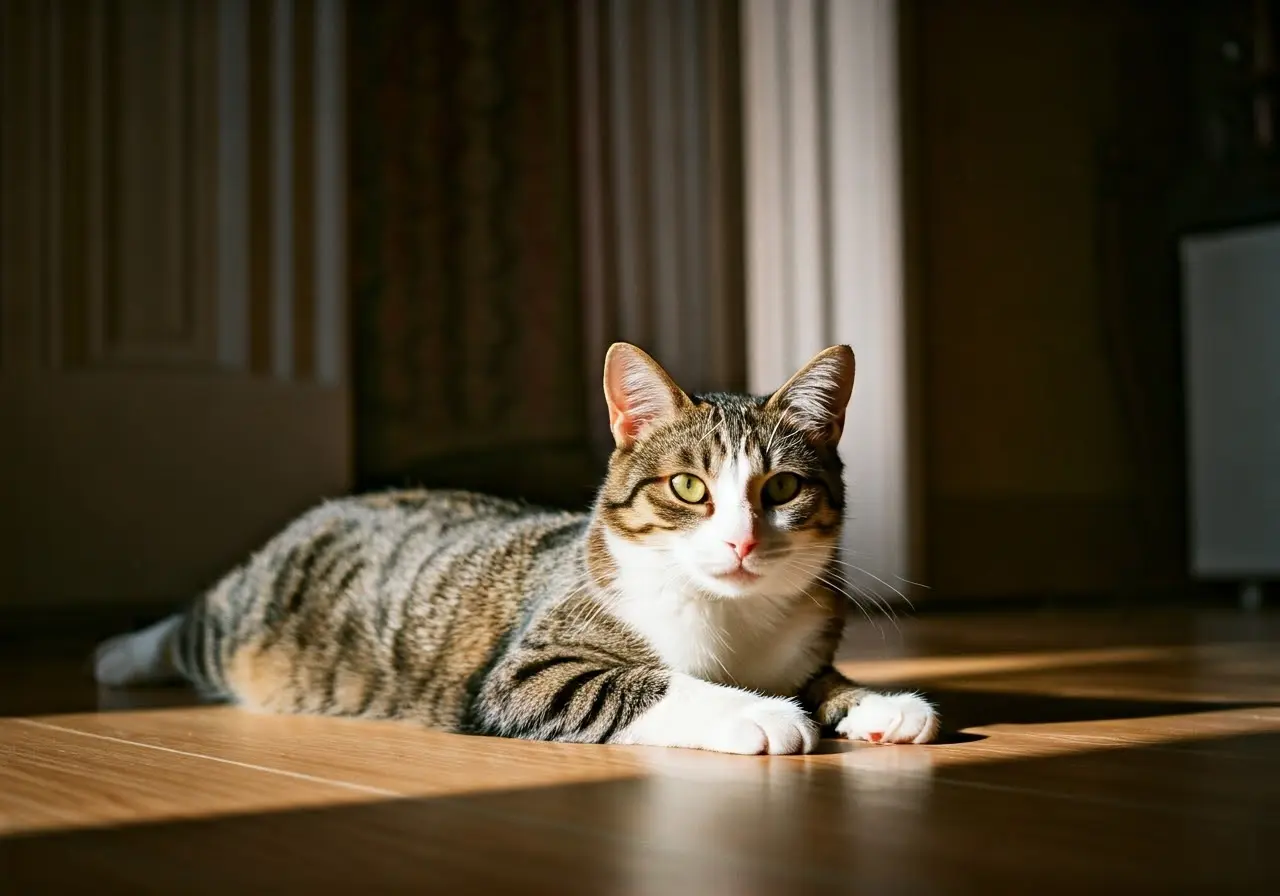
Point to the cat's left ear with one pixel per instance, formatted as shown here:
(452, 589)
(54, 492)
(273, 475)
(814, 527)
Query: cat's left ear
(817, 396)
(639, 392)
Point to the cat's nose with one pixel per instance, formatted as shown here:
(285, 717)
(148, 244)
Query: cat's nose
(742, 546)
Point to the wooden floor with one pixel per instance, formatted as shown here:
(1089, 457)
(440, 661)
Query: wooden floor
(1090, 753)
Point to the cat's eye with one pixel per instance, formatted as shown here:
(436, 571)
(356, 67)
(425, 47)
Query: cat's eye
(781, 488)
(689, 489)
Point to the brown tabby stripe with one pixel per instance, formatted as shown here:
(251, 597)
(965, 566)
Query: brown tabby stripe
(646, 529)
(634, 493)
(830, 696)
(198, 656)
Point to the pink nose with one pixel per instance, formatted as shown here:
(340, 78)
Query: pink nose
(743, 546)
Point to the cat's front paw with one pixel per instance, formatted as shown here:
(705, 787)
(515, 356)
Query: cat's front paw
(767, 725)
(891, 719)
(704, 716)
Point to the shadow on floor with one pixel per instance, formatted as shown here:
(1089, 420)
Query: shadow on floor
(963, 709)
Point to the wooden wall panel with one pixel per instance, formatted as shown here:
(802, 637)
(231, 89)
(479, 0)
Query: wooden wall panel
(1049, 138)
(128, 202)
(143, 449)
(131, 180)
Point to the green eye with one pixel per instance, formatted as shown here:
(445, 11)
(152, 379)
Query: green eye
(689, 489)
(781, 488)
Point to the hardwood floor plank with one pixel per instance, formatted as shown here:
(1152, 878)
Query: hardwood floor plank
(54, 779)
(391, 756)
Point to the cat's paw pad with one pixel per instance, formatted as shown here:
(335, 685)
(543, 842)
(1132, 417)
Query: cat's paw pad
(891, 719)
(769, 725)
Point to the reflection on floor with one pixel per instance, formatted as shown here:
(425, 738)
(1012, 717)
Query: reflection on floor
(1097, 752)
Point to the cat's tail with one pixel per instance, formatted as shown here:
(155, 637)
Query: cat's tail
(182, 647)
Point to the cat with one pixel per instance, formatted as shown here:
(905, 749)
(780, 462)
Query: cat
(692, 607)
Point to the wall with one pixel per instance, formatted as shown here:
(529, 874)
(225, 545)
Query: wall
(1047, 322)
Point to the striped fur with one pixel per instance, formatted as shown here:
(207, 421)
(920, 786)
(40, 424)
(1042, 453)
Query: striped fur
(651, 619)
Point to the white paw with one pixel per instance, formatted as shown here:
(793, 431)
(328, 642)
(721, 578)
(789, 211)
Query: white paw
(891, 719)
(705, 716)
(766, 725)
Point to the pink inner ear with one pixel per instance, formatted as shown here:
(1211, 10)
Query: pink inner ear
(627, 416)
(639, 393)
(622, 424)
(633, 402)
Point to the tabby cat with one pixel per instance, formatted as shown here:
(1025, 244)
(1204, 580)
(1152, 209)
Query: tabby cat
(692, 607)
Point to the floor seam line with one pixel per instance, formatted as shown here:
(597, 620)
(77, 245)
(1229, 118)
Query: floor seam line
(301, 776)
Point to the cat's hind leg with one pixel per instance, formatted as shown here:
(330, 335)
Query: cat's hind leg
(143, 657)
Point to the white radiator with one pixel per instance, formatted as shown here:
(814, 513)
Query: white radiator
(1231, 313)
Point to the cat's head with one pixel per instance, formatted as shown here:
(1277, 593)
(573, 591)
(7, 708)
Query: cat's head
(734, 495)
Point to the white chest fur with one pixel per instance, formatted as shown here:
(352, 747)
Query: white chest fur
(759, 643)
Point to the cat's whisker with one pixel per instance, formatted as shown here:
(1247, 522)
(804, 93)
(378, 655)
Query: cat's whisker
(586, 613)
(857, 603)
(866, 572)
(829, 565)
(601, 604)
(709, 427)
(885, 608)
(882, 582)
(584, 583)
(821, 574)
(801, 587)
(769, 553)
(720, 639)
(590, 619)
(881, 602)
(815, 574)
(768, 446)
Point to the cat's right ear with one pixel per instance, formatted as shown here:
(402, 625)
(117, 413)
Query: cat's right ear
(639, 393)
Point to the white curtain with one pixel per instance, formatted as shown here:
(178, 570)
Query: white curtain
(824, 243)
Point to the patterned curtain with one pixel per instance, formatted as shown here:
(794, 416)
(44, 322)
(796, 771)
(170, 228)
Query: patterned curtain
(466, 303)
